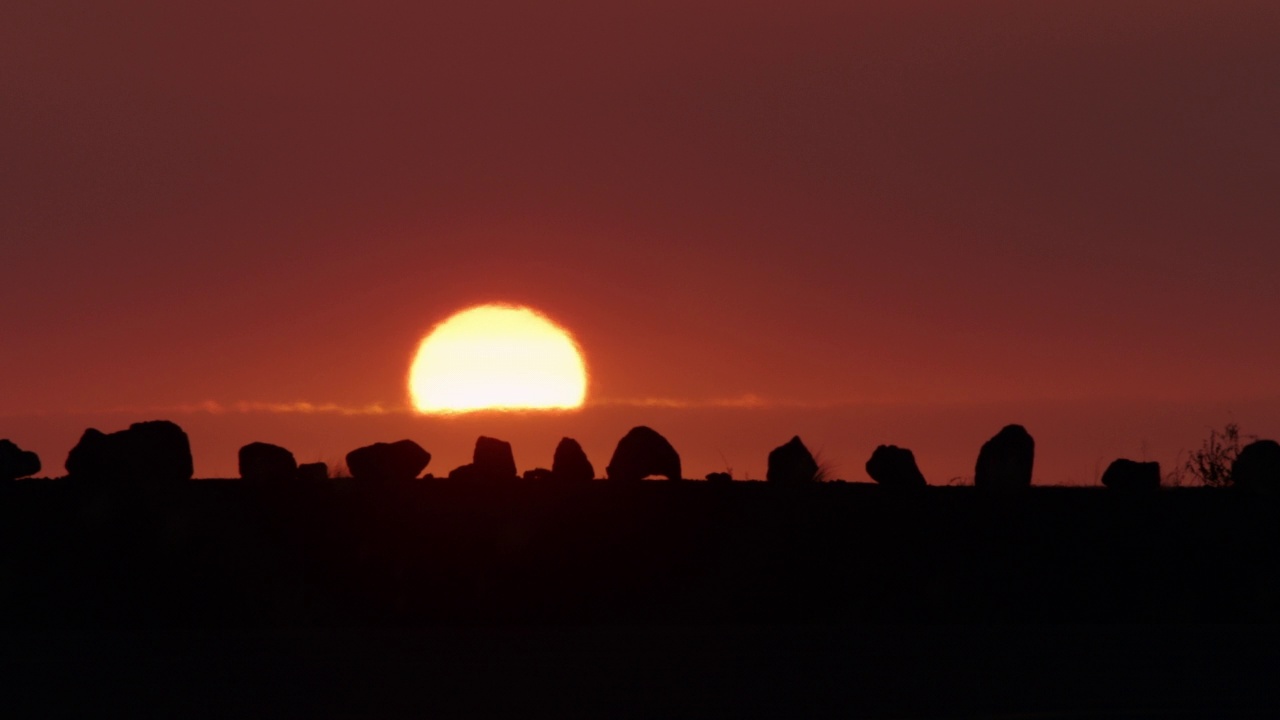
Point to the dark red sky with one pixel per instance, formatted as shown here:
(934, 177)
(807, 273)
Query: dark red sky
(870, 215)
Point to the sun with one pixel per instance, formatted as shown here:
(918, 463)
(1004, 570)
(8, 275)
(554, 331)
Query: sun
(501, 357)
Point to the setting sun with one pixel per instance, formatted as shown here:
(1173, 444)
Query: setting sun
(497, 357)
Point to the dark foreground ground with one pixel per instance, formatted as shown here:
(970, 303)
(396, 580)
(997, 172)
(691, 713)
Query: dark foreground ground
(434, 599)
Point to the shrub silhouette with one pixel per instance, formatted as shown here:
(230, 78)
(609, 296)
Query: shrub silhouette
(1211, 464)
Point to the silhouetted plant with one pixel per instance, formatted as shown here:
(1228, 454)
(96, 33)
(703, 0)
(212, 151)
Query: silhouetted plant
(826, 469)
(1211, 464)
(1177, 476)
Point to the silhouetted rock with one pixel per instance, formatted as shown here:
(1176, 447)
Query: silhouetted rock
(493, 458)
(313, 472)
(1257, 467)
(147, 453)
(571, 463)
(17, 463)
(643, 452)
(719, 477)
(464, 472)
(538, 475)
(402, 460)
(791, 464)
(1005, 461)
(264, 462)
(892, 466)
(1132, 476)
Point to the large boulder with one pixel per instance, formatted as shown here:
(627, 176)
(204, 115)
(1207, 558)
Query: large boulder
(643, 452)
(17, 463)
(147, 453)
(571, 463)
(895, 467)
(1132, 476)
(1257, 467)
(492, 459)
(1005, 461)
(791, 464)
(264, 462)
(381, 462)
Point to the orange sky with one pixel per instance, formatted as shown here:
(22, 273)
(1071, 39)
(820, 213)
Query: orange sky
(901, 222)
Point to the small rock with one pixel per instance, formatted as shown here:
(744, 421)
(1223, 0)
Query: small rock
(538, 475)
(719, 477)
(313, 472)
(1132, 476)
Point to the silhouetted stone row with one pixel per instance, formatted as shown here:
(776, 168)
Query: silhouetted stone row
(1257, 467)
(643, 452)
(1005, 461)
(895, 467)
(1132, 476)
(383, 462)
(17, 463)
(491, 460)
(791, 464)
(147, 453)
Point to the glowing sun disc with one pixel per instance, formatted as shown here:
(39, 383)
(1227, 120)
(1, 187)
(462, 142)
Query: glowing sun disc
(497, 357)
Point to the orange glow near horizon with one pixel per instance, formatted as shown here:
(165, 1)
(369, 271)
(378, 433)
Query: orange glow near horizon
(497, 357)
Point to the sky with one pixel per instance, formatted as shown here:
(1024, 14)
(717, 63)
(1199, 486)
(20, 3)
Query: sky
(863, 222)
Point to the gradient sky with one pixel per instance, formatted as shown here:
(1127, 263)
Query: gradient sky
(866, 222)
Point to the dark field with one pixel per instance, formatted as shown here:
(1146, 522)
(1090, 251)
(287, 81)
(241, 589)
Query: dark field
(654, 599)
